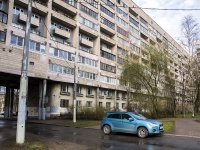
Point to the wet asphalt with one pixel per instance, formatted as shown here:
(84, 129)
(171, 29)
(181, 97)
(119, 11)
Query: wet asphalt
(95, 138)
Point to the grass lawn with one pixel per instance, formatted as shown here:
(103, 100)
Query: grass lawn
(169, 126)
(83, 123)
(187, 116)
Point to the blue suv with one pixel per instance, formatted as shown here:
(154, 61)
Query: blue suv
(130, 122)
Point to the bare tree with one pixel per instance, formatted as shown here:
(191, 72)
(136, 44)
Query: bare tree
(190, 31)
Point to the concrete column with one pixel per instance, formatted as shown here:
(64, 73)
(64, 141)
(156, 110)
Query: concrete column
(40, 102)
(115, 99)
(11, 103)
(44, 100)
(7, 102)
(54, 99)
(97, 97)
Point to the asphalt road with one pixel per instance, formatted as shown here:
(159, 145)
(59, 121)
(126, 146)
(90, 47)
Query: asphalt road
(95, 138)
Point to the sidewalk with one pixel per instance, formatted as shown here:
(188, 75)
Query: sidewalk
(187, 127)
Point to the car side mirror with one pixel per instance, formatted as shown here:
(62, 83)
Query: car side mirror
(130, 119)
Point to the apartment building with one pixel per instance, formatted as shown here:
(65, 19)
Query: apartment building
(93, 35)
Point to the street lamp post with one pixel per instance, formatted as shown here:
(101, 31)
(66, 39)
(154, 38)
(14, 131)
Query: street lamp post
(74, 111)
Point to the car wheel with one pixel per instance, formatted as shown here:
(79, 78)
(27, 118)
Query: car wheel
(106, 129)
(142, 132)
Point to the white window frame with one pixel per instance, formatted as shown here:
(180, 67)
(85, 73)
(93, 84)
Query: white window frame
(89, 91)
(64, 101)
(66, 87)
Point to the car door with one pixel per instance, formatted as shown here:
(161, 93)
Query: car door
(128, 125)
(115, 120)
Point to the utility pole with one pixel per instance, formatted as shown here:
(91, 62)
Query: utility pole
(74, 112)
(20, 136)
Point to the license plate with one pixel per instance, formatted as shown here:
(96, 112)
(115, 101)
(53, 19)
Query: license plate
(161, 127)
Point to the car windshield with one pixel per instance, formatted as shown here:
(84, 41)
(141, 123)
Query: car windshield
(139, 116)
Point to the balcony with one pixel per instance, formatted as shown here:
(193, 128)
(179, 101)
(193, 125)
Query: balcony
(40, 7)
(88, 31)
(106, 49)
(63, 19)
(66, 6)
(86, 42)
(108, 40)
(107, 29)
(61, 33)
(34, 22)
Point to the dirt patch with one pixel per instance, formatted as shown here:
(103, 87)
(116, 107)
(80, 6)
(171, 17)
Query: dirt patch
(35, 142)
(198, 121)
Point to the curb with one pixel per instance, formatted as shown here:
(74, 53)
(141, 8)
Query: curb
(187, 136)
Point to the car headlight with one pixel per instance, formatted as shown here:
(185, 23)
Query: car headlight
(152, 125)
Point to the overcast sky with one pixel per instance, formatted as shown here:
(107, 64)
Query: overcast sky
(170, 20)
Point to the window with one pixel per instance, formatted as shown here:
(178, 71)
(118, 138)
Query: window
(107, 22)
(108, 105)
(100, 104)
(64, 88)
(123, 105)
(61, 69)
(71, 2)
(78, 89)
(106, 79)
(78, 103)
(122, 4)
(144, 29)
(107, 12)
(100, 92)
(121, 21)
(134, 30)
(123, 95)
(2, 36)
(88, 23)
(143, 21)
(133, 21)
(17, 10)
(122, 31)
(122, 41)
(126, 116)
(88, 103)
(16, 40)
(109, 3)
(134, 39)
(89, 91)
(114, 116)
(64, 103)
(107, 55)
(135, 48)
(61, 54)
(88, 11)
(87, 75)
(107, 67)
(3, 17)
(117, 105)
(37, 46)
(120, 60)
(92, 2)
(121, 12)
